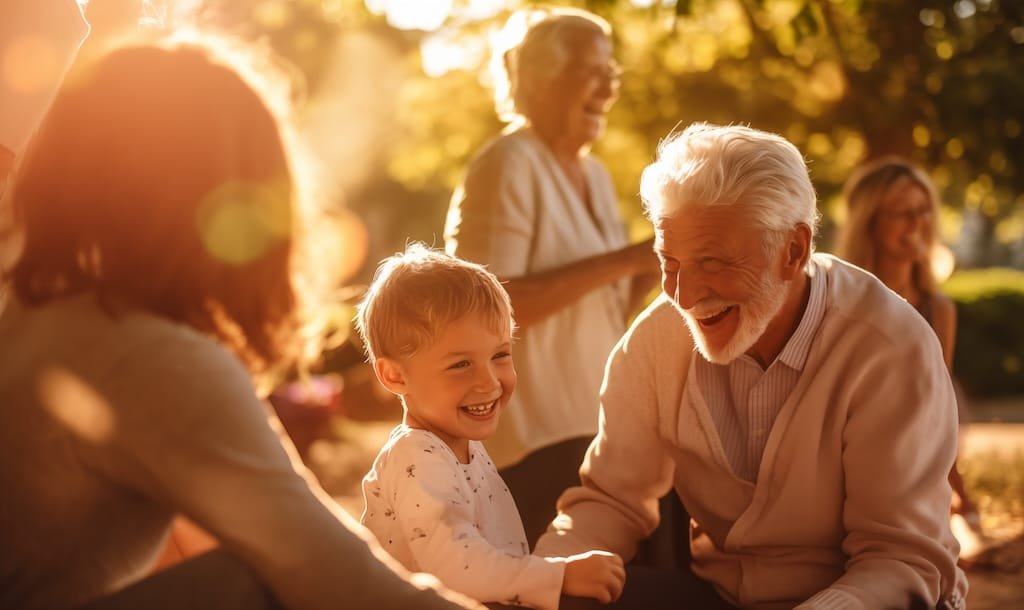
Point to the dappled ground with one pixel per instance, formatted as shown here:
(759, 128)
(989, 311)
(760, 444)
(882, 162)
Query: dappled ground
(992, 461)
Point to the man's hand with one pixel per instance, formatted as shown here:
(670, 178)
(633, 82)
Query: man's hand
(596, 574)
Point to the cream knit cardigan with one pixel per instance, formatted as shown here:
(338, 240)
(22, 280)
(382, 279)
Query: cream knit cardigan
(851, 504)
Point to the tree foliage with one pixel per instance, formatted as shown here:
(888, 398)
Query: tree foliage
(846, 80)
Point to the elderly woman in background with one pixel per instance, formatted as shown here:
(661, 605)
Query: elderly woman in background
(891, 230)
(541, 212)
(160, 210)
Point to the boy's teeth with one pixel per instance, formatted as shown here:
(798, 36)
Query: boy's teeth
(480, 409)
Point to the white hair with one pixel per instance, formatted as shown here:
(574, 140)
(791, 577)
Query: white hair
(533, 48)
(761, 174)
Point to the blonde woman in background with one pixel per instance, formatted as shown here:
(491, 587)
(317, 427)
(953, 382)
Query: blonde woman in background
(891, 230)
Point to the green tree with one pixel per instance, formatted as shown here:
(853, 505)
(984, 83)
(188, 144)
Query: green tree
(845, 80)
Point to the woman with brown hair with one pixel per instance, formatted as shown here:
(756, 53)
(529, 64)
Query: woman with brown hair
(161, 211)
(891, 230)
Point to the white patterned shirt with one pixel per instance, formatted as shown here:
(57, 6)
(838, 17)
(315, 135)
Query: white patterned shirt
(456, 521)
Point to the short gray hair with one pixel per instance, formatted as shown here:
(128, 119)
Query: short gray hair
(533, 48)
(760, 173)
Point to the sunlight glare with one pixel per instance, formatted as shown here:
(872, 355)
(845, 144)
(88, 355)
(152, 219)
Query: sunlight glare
(77, 405)
(970, 542)
(425, 15)
(484, 9)
(341, 240)
(442, 53)
(30, 64)
(349, 120)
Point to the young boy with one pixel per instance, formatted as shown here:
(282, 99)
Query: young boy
(439, 333)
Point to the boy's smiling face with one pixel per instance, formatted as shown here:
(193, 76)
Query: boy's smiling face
(458, 386)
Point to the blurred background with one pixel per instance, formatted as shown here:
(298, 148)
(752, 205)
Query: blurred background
(392, 99)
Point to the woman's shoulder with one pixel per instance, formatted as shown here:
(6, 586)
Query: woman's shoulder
(517, 147)
(98, 333)
(132, 350)
(173, 346)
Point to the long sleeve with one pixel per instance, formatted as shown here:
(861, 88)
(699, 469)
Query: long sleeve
(626, 469)
(203, 446)
(437, 514)
(900, 442)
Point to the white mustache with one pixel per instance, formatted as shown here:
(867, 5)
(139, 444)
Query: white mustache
(708, 307)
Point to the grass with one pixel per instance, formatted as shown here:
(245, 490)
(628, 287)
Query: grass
(996, 482)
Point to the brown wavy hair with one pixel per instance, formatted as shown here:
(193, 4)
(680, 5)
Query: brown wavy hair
(160, 180)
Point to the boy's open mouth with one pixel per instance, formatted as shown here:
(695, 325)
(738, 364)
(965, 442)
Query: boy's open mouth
(481, 410)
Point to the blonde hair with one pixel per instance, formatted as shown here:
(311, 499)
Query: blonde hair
(759, 174)
(416, 293)
(863, 195)
(531, 49)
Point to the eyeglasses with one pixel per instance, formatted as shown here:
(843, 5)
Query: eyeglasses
(908, 215)
(611, 73)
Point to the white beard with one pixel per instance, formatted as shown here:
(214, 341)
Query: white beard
(755, 315)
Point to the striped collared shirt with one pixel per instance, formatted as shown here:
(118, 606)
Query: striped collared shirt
(744, 400)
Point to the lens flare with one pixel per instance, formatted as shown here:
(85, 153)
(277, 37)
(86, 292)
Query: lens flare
(240, 221)
(76, 405)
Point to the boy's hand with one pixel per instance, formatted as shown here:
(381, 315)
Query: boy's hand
(596, 574)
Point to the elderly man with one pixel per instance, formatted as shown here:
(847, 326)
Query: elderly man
(809, 434)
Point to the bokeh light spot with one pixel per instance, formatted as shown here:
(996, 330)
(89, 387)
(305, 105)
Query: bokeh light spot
(955, 148)
(272, 14)
(922, 136)
(76, 405)
(341, 241)
(819, 145)
(239, 221)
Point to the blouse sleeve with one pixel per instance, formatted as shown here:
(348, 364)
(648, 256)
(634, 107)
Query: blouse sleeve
(491, 215)
(192, 435)
(437, 519)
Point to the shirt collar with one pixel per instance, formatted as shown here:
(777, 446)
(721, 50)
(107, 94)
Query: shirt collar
(794, 354)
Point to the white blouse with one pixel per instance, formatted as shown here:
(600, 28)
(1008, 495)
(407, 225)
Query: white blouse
(456, 521)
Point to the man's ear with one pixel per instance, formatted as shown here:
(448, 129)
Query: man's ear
(390, 375)
(796, 251)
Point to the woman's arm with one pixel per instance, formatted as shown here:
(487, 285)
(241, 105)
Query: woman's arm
(944, 321)
(193, 436)
(535, 297)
